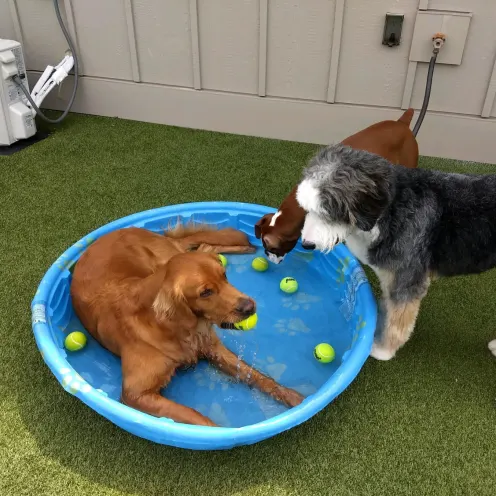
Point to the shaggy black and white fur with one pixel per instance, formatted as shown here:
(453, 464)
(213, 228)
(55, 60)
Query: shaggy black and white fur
(409, 225)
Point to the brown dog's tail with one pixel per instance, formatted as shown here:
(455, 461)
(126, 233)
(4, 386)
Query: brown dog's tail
(407, 117)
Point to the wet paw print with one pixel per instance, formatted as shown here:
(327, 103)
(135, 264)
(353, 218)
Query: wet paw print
(291, 326)
(341, 270)
(300, 300)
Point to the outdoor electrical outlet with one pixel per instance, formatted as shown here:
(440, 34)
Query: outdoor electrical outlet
(392, 29)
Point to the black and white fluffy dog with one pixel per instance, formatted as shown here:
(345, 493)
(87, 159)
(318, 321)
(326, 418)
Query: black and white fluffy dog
(409, 225)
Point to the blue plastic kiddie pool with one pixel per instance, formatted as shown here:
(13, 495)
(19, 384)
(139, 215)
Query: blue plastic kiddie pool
(334, 304)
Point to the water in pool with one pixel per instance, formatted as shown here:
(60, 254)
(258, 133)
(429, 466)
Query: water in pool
(281, 346)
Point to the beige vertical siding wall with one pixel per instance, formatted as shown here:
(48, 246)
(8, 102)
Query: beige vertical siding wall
(308, 70)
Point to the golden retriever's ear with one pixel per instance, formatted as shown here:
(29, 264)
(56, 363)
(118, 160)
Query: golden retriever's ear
(169, 304)
(146, 290)
(259, 225)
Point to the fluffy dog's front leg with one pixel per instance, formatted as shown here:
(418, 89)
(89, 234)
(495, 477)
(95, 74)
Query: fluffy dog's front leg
(398, 312)
(396, 326)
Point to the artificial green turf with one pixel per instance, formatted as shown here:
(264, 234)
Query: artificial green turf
(423, 423)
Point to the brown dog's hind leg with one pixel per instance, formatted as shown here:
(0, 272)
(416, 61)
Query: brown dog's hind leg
(222, 241)
(144, 373)
(232, 365)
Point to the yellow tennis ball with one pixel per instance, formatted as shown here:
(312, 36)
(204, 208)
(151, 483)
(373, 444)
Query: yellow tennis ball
(247, 324)
(75, 341)
(260, 264)
(223, 260)
(324, 353)
(289, 285)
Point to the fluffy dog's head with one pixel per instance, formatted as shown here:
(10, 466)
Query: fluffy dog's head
(342, 190)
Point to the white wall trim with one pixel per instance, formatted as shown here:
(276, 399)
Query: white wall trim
(442, 135)
(195, 44)
(335, 50)
(71, 27)
(409, 82)
(131, 36)
(262, 46)
(14, 14)
(490, 94)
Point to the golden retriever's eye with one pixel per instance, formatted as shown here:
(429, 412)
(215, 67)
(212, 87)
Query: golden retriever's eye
(206, 293)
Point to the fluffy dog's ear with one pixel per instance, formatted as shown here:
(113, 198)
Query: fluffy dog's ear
(370, 206)
(259, 225)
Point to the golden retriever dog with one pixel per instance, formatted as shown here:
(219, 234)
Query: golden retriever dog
(153, 300)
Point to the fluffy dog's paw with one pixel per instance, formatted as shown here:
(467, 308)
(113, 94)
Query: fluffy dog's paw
(492, 346)
(380, 353)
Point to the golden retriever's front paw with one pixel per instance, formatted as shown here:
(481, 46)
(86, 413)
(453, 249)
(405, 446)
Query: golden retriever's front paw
(206, 422)
(289, 397)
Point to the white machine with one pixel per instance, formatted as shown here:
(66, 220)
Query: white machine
(16, 111)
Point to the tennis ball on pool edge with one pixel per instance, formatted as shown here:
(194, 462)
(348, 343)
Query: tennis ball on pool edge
(289, 285)
(247, 324)
(75, 341)
(260, 264)
(324, 353)
(223, 260)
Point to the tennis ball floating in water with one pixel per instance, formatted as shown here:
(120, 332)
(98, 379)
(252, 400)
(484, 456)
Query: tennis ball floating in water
(223, 260)
(324, 353)
(247, 324)
(75, 341)
(260, 264)
(289, 285)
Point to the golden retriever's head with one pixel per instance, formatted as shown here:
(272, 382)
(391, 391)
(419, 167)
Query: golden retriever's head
(196, 285)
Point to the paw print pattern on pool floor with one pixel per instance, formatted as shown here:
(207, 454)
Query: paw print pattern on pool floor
(214, 412)
(211, 378)
(300, 300)
(240, 263)
(269, 366)
(291, 326)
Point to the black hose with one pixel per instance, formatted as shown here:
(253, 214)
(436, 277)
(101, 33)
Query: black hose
(427, 95)
(18, 81)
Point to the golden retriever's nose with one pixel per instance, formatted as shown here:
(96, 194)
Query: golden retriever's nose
(246, 306)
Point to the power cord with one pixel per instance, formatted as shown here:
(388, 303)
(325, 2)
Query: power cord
(18, 82)
(438, 41)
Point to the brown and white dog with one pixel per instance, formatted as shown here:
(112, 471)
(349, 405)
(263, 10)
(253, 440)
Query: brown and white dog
(392, 140)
